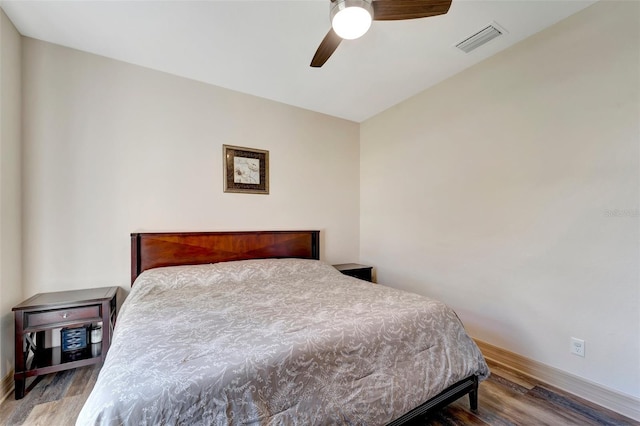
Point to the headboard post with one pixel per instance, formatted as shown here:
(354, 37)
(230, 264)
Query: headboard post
(315, 245)
(135, 256)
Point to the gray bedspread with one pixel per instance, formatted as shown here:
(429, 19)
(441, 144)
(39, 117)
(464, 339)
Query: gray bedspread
(275, 342)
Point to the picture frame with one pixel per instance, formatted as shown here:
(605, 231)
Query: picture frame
(245, 170)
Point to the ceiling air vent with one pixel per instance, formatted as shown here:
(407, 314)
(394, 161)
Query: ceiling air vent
(483, 36)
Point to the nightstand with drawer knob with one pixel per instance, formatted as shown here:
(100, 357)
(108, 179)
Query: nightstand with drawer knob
(70, 311)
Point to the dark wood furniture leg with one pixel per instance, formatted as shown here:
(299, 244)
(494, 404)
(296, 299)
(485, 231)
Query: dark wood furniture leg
(447, 396)
(19, 354)
(20, 383)
(473, 397)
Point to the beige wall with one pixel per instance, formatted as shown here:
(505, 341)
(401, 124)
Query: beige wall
(10, 187)
(112, 148)
(496, 191)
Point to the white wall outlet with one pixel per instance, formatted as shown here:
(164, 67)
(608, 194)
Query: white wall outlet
(577, 346)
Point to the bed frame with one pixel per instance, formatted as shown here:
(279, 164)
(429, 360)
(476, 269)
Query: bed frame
(154, 250)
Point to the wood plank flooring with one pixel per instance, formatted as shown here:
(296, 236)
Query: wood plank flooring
(505, 399)
(509, 399)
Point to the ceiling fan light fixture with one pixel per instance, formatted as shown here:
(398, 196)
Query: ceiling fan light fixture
(351, 19)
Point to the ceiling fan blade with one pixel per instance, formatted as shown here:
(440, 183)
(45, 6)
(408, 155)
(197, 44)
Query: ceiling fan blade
(394, 10)
(329, 45)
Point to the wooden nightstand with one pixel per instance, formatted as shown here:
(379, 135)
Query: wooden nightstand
(47, 311)
(355, 270)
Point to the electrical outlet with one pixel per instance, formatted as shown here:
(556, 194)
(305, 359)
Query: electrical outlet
(577, 346)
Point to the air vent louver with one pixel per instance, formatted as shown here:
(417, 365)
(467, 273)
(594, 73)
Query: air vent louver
(478, 39)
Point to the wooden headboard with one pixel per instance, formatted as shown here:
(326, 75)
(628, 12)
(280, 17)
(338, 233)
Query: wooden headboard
(153, 250)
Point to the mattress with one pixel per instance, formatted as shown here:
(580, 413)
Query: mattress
(275, 342)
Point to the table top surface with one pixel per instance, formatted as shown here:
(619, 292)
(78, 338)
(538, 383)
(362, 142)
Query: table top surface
(60, 299)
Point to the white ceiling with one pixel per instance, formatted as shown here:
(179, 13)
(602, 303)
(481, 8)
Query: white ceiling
(264, 47)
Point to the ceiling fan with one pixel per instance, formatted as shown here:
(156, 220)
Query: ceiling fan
(351, 19)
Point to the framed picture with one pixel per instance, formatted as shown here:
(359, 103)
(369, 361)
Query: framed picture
(245, 170)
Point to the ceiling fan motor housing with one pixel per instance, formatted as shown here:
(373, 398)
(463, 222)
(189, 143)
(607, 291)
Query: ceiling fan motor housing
(349, 17)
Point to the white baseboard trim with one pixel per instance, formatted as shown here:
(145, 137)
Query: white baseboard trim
(624, 404)
(6, 386)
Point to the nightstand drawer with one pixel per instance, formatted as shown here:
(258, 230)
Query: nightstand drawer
(34, 319)
(363, 274)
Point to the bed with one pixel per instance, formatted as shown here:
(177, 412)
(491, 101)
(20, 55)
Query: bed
(251, 328)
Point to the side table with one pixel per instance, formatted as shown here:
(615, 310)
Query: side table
(355, 270)
(47, 311)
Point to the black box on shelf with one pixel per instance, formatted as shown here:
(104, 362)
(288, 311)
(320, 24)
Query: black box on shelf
(73, 339)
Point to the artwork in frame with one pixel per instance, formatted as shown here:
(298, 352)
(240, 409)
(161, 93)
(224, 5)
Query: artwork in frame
(245, 170)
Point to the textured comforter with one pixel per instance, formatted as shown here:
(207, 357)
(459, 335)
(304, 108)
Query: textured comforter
(275, 342)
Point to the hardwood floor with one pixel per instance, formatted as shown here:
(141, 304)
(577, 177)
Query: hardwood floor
(505, 399)
(509, 399)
